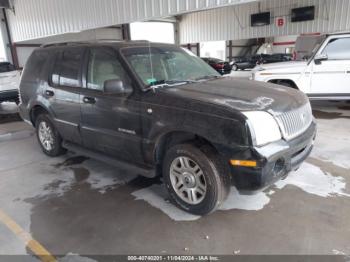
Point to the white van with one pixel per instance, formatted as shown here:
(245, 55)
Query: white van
(323, 74)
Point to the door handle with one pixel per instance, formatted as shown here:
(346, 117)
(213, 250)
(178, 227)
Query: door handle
(89, 100)
(49, 93)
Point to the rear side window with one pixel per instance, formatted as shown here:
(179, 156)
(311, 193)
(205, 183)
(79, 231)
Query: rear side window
(338, 49)
(35, 66)
(66, 71)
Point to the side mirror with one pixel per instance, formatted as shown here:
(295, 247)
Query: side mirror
(319, 58)
(115, 87)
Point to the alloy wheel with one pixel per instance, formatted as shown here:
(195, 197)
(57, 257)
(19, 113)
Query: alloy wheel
(188, 181)
(46, 136)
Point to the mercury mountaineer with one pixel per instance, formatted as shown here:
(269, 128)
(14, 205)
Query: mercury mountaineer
(159, 110)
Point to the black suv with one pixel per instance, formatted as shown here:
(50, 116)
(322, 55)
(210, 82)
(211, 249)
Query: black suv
(160, 110)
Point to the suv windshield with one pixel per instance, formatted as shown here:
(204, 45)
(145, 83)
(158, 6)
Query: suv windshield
(169, 65)
(307, 46)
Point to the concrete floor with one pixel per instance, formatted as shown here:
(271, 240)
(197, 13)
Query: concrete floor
(74, 205)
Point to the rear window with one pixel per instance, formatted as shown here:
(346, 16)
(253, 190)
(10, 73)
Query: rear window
(66, 71)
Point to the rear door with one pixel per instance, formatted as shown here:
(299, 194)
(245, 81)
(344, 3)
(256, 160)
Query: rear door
(110, 123)
(63, 92)
(332, 76)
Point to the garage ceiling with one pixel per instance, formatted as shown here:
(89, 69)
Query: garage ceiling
(33, 19)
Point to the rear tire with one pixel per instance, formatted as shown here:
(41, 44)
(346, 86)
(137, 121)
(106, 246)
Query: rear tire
(48, 136)
(196, 178)
(234, 67)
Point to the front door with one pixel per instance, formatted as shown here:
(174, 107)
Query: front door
(110, 123)
(332, 75)
(63, 92)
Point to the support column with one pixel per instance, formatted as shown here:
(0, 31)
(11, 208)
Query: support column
(126, 32)
(7, 40)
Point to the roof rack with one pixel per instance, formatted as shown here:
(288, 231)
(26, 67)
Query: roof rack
(62, 44)
(72, 43)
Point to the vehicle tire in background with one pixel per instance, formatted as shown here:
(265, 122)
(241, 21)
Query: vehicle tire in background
(234, 67)
(48, 137)
(196, 178)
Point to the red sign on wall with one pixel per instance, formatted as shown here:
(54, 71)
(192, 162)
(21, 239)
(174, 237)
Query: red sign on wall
(280, 21)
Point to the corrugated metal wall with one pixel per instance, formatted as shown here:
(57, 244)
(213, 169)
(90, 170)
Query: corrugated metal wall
(233, 23)
(40, 18)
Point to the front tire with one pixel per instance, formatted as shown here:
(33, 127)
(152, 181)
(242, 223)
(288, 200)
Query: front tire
(48, 137)
(234, 67)
(196, 178)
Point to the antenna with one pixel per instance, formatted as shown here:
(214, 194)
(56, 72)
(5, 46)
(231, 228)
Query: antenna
(150, 59)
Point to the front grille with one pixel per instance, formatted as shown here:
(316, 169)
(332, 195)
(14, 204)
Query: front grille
(294, 123)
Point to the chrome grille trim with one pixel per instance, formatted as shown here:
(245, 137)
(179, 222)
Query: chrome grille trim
(294, 123)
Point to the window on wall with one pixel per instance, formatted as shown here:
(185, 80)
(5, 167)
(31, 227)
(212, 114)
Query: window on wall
(338, 49)
(67, 68)
(162, 32)
(103, 66)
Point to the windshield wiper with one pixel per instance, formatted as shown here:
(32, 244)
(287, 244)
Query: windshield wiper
(208, 77)
(180, 82)
(174, 82)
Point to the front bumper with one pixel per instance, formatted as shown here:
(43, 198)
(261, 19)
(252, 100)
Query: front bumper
(9, 95)
(275, 161)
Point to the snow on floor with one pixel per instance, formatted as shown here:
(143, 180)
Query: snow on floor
(309, 178)
(313, 180)
(156, 196)
(330, 146)
(46, 177)
(245, 202)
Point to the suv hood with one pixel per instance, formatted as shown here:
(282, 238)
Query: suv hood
(292, 65)
(241, 95)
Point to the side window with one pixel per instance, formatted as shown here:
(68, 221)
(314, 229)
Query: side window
(67, 68)
(338, 49)
(103, 66)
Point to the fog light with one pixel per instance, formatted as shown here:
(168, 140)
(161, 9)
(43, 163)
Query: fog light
(246, 163)
(279, 165)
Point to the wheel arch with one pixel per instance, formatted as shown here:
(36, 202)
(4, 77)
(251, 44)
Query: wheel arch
(285, 82)
(172, 138)
(36, 111)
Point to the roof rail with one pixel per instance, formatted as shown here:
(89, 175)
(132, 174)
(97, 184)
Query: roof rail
(72, 43)
(62, 44)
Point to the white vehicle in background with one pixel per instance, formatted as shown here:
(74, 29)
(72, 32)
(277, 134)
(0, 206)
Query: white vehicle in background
(9, 82)
(322, 73)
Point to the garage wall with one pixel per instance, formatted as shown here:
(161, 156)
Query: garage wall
(233, 23)
(40, 18)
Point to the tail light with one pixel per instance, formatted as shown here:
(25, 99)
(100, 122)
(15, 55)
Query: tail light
(218, 66)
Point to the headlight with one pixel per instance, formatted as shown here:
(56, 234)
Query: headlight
(263, 126)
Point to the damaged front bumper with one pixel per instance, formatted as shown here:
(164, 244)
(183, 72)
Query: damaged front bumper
(274, 161)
